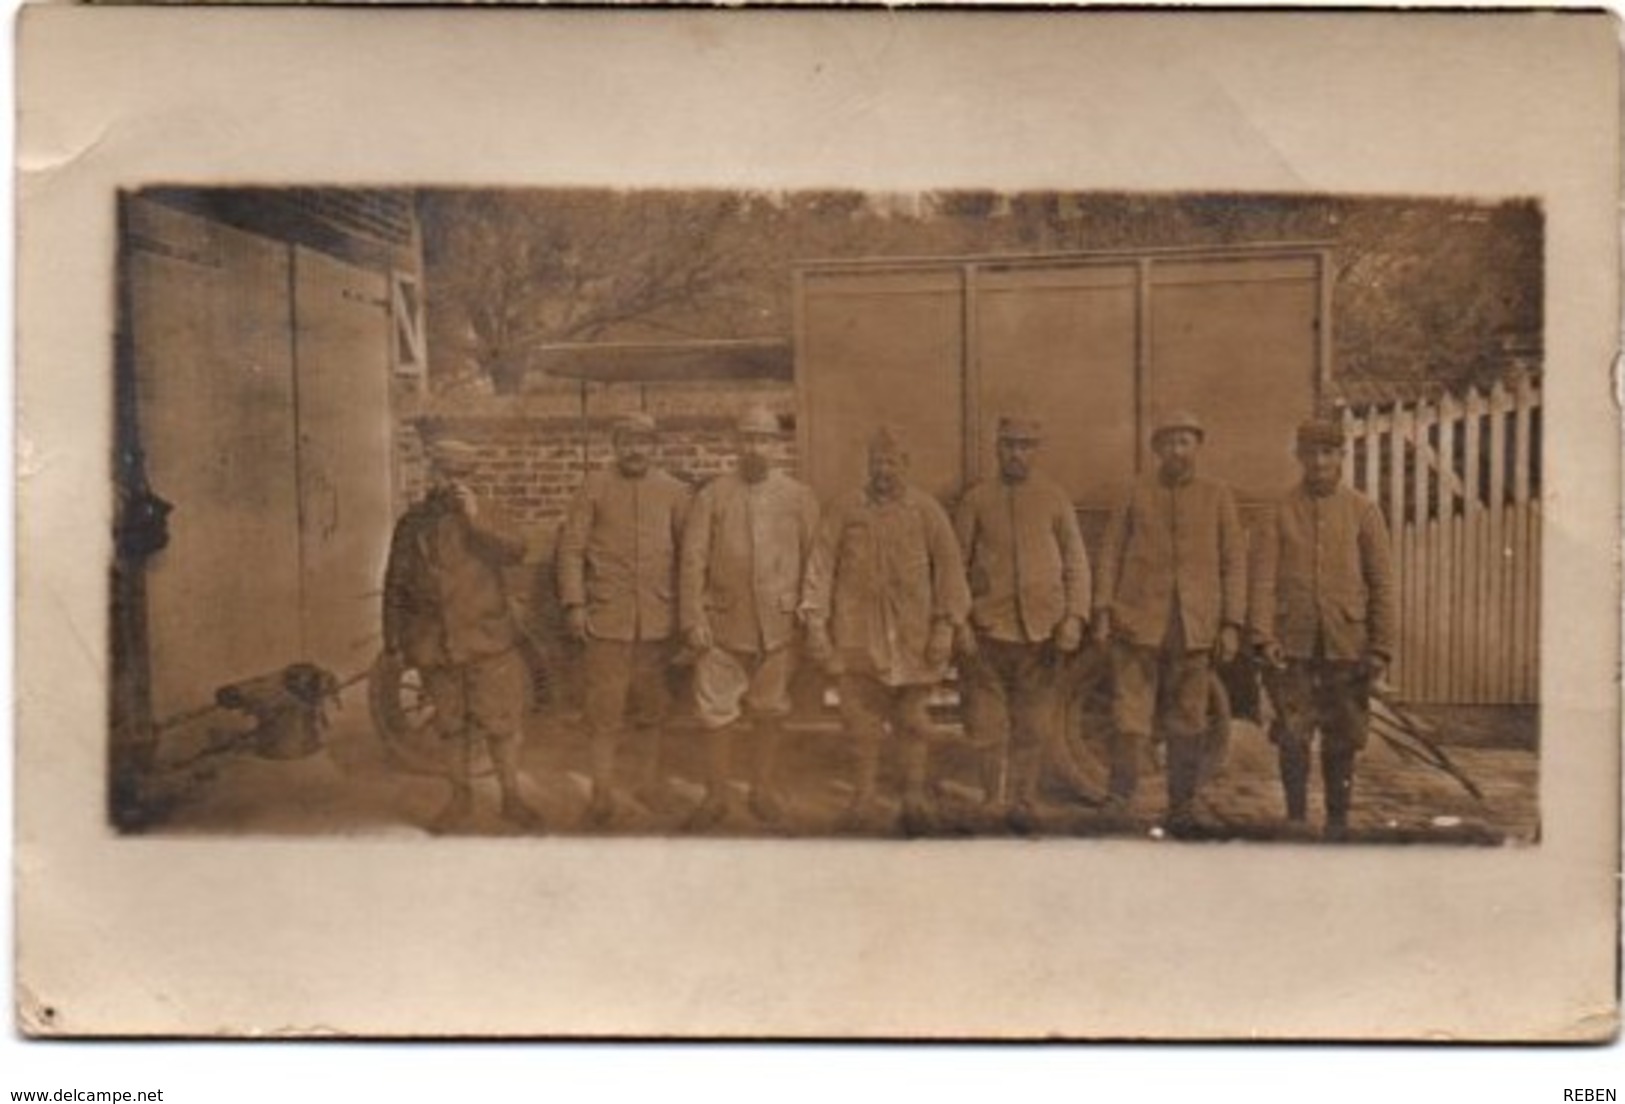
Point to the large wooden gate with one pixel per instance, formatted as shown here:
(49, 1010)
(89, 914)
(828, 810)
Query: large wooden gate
(1459, 482)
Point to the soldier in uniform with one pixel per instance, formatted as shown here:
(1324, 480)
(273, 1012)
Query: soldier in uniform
(744, 551)
(885, 597)
(446, 613)
(1169, 598)
(617, 566)
(1321, 614)
(1030, 602)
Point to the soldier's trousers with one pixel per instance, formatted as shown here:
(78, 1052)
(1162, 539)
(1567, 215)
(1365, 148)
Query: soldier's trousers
(867, 705)
(1331, 697)
(618, 673)
(1012, 705)
(1165, 688)
(483, 697)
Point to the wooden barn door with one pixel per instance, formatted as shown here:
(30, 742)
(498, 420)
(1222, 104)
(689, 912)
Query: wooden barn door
(262, 395)
(341, 357)
(214, 392)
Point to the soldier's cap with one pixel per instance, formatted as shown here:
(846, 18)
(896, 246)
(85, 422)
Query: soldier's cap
(1020, 429)
(448, 452)
(1176, 420)
(637, 422)
(758, 419)
(1322, 431)
(886, 442)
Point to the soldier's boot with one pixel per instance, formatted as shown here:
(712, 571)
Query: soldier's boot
(864, 808)
(1337, 773)
(718, 802)
(1184, 778)
(767, 801)
(514, 808)
(1293, 755)
(457, 811)
(459, 808)
(993, 780)
(1125, 769)
(919, 811)
(1024, 814)
(601, 807)
(652, 791)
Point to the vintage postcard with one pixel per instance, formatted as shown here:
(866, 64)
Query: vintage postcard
(818, 524)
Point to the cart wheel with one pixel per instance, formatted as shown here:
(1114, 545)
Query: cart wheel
(1216, 740)
(1080, 755)
(403, 717)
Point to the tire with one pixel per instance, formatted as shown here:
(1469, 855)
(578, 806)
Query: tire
(1080, 757)
(1216, 738)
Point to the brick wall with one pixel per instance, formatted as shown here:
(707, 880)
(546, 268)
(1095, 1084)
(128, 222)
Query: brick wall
(534, 465)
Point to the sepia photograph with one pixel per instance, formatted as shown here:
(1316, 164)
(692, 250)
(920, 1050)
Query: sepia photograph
(934, 514)
(813, 525)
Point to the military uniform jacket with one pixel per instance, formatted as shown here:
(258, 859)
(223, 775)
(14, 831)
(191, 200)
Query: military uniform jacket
(1028, 567)
(883, 572)
(618, 554)
(445, 602)
(744, 550)
(1321, 575)
(1174, 547)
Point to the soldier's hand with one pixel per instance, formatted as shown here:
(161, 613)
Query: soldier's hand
(1069, 635)
(1376, 667)
(699, 638)
(1229, 643)
(940, 647)
(1272, 654)
(1101, 628)
(575, 619)
(965, 645)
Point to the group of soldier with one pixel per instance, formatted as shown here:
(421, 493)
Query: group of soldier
(885, 592)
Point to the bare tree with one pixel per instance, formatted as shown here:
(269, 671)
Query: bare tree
(510, 272)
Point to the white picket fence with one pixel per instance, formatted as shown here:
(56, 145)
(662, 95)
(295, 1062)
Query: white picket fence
(1458, 481)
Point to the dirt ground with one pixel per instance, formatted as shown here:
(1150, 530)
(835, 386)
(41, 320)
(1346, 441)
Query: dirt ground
(351, 786)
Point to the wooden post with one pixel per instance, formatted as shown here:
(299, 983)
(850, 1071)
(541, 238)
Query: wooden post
(1496, 690)
(1353, 429)
(1399, 525)
(970, 372)
(1444, 570)
(1422, 512)
(1473, 554)
(1372, 487)
(1396, 531)
(1522, 460)
(1533, 575)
